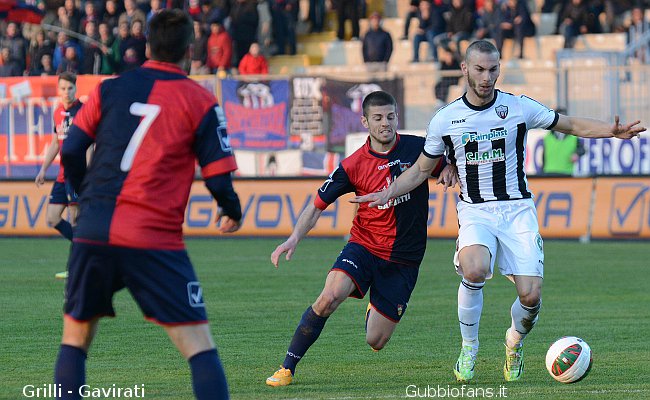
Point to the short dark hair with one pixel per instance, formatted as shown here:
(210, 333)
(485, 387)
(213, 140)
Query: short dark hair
(170, 34)
(482, 46)
(68, 76)
(378, 98)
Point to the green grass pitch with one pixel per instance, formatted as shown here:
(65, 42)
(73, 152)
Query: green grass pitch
(596, 291)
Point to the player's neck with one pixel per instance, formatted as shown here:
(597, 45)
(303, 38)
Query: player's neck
(382, 147)
(476, 101)
(67, 104)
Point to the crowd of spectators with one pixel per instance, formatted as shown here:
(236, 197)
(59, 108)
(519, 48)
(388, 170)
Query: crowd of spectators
(444, 24)
(108, 37)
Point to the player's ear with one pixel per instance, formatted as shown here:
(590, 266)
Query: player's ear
(147, 51)
(364, 121)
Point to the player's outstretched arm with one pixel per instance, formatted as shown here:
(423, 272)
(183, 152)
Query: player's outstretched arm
(306, 222)
(404, 183)
(593, 128)
(50, 155)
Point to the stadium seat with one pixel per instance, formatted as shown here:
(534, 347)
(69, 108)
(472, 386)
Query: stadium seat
(403, 52)
(549, 45)
(602, 41)
(544, 22)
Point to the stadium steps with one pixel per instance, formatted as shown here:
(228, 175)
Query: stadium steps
(286, 64)
(325, 36)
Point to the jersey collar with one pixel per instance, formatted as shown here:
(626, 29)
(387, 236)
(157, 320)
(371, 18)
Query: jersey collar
(382, 155)
(483, 107)
(74, 103)
(163, 66)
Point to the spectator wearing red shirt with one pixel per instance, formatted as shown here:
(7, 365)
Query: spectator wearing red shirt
(219, 48)
(253, 63)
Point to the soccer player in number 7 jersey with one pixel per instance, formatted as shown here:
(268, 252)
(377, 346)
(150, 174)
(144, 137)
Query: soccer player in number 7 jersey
(150, 125)
(484, 132)
(386, 243)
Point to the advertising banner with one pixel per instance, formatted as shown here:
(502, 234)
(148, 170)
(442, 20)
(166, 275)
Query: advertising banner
(272, 208)
(622, 208)
(562, 206)
(602, 156)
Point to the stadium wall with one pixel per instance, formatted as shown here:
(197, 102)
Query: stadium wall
(569, 208)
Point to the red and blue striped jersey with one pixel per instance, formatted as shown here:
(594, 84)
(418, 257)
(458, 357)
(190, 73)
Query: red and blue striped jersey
(396, 231)
(62, 121)
(150, 125)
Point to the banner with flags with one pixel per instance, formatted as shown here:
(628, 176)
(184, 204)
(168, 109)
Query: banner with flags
(344, 100)
(256, 113)
(319, 163)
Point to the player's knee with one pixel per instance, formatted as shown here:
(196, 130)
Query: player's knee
(474, 269)
(377, 342)
(530, 299)
(327, 303)
(52, 220)
(476, 275)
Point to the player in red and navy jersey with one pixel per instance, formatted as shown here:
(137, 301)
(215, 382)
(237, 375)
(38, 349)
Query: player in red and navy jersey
(386, 243)
(150, 125)
(61, 196)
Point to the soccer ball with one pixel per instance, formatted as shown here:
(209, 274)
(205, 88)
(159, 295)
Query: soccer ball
(569, 359)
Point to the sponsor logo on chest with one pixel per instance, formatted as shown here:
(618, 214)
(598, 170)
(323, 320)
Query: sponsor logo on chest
(390, 164)
(494, 134)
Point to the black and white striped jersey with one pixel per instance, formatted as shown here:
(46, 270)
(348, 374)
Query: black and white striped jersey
(488, 144)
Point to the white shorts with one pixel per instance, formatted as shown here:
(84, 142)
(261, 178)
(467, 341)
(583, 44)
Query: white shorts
(509, 229)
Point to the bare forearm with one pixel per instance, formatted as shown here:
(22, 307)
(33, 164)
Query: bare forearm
(593, 128)
(306, 222)
(412, 177)
(50, 155)
(586, 128)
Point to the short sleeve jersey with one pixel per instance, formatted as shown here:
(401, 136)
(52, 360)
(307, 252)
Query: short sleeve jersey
(396, 231)
(150, 125)
(62, 121)
(488, 144)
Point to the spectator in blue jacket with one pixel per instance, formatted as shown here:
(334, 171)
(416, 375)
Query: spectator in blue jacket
(62, 43)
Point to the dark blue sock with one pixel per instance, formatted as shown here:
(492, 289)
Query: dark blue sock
(65, 229)
(308, 330)
(70, 371)
(208, 378)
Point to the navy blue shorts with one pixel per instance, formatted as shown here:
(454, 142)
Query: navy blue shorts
(162, 282)
(63, 193)
(390, 283)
